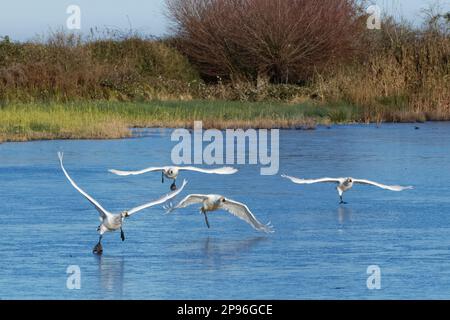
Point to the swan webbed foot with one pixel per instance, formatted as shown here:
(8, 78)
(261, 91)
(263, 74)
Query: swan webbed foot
(173, 186)
(98, 249)
(342, 200)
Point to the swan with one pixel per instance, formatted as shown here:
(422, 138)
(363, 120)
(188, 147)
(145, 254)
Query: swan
(217, 202)
(171, 172)
(345, 184)
(110, 222)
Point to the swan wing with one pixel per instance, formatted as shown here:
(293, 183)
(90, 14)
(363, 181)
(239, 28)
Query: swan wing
(382, 186)
(223, 170)
(135, 173)
(161, 200)
(241, 211)
(311, 181)
(103, 213)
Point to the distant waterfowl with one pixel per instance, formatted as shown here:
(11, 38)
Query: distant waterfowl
(112, 222)
(173, 171)
(217, 202)
(345, 184)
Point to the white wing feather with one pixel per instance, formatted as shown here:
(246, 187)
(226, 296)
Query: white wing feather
(99, 208)
(311, 181)
(382, 186)
(187, 201)
(158, 201)
(134, 173)
(241, 211)
(224, 170)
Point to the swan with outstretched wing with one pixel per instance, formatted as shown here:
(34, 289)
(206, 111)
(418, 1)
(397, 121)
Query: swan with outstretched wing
(110, 222)
(216, 202)
(345, 184)
(172, 172)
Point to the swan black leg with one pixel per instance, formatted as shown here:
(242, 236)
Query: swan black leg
(206, 217)
(122, 235)
(342, 201)
(206, 220)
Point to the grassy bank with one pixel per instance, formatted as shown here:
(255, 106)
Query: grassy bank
(109, 120)
(112, 120)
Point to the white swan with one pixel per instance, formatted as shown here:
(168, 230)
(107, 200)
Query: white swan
(171, 172)
(345, 184)
(111, 222)
(217, 202)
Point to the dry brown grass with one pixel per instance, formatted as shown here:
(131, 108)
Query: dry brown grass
(405, 78)
(66, 68)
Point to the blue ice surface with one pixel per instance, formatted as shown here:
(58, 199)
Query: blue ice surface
(320, 250)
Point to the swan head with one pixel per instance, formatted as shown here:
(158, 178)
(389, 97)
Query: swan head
(221, 200)
(171, 172)
(124, 214)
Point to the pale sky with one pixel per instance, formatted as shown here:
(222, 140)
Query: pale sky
(23, 20)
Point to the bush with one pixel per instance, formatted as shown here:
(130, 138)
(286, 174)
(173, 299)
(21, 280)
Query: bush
(148, 58)
(284, 41)
(64, 67)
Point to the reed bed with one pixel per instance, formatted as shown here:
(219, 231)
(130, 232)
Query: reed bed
(109, 120)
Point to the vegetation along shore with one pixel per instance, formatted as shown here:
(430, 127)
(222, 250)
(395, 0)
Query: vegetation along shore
(260, 69)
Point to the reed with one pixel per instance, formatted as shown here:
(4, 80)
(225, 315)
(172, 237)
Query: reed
(406, 76)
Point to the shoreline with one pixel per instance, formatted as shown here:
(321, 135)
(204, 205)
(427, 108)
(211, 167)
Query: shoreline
(132, 135)
(103, 120)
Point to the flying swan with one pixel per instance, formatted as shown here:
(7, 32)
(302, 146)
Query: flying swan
(109, 221)
(345, 184)
(172, 172)
(217, 202)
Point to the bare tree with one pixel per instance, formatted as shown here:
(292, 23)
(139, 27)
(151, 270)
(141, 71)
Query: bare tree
(284, 40)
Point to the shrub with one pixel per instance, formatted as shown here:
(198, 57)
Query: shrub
(284, 40)
(64, 67)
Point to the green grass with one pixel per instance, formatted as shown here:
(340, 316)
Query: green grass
(109, 120)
